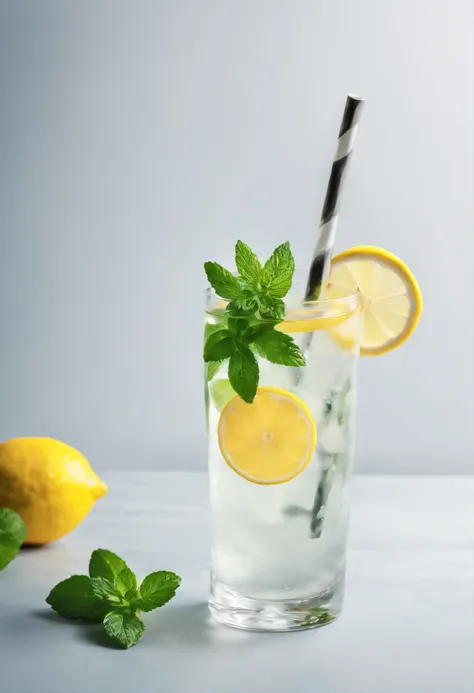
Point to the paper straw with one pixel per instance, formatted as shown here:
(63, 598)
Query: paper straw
(321, 262)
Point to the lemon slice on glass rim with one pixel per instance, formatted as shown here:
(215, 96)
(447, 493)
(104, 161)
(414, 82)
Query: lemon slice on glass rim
(391, 297)
(269, 441)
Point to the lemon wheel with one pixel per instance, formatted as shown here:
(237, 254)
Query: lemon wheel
(269, 441)
(391, 296)
(297, 321)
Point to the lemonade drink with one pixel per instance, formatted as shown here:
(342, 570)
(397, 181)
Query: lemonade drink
(280, 455)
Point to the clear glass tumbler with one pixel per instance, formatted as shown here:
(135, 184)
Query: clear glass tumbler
(279, 549)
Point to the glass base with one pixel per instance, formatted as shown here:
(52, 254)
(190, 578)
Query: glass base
(238, 611)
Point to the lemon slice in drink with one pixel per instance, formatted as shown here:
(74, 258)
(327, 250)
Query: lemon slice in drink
(391, 295)
(269, 441)
(299, 321)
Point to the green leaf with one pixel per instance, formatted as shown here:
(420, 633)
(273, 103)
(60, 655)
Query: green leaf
(259, 328)
(248, 264)
(126, 583)
(239, 325)
(210, 327)
(157, 589)
(224, 283)
(248, 303)
(104, 563)
(12, 535)
(106, 591)
(219, 346)
(211, 369)
(243, 373)
(271, 307)
(277, 274)
(280, 348)
(244, 304)
(123, 628)
(256, 350)
(241, 307)
(75, 598)
(317, 616)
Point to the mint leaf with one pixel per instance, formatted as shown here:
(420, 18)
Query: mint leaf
(211, 369)
(75, 598)
(157, 589)
(124, 629)
(12, 535)
(259, 328)
(126, 583)
(243, 373)
(243, 307)
(256, 350)
(239, 325)
(317, 615)
(211, 327)
(222, 281)
(280, 348)
(106, 591)
(212, 366)
(247, 303)
(248, 264)
(104, 563)
(277, 274)
(219, 346)
(271, 307)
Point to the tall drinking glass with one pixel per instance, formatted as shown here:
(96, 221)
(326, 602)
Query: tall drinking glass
(279, 541)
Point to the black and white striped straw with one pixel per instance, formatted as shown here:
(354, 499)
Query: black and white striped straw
(321, 263)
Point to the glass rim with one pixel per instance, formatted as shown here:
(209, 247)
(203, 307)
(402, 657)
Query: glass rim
(299, 309)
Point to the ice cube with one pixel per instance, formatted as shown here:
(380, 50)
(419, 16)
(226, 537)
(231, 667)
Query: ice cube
(332, 437)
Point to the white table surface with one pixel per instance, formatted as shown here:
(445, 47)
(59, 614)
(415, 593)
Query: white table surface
(407, 626)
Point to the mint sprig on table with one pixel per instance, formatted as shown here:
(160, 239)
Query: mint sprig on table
(112, 595)
(255, 307)
(12, 535)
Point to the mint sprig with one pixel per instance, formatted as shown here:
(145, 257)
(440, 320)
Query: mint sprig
(12, 535)
(255, 307)
(112, 595)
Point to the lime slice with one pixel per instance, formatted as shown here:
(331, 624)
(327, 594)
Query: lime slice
(221, 392)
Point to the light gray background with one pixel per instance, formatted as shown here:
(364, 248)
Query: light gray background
(141, 138)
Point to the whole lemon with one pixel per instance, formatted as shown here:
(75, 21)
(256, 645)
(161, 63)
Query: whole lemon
(51, 485)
